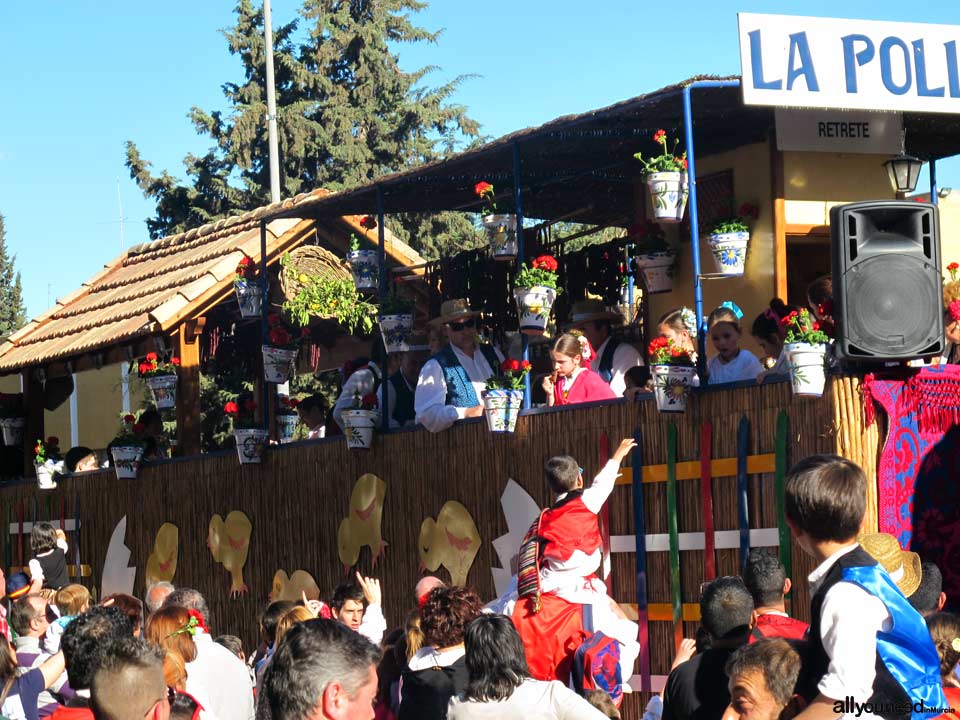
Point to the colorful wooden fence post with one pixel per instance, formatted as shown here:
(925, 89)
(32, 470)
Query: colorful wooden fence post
(743, 509)
(706, 501)
(672, 520)
(640, 532)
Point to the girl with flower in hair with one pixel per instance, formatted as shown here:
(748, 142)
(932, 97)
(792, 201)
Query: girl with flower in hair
(680, 325)
(951, 317)
(572, 380)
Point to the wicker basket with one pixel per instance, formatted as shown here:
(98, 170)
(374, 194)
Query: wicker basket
(314, 261)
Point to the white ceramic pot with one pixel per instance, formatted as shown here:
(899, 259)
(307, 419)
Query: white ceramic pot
(45, 479)
(502, 235)
(365, 266)
(251, 443)
(806, 362)
(501, 408)
(668, 195)
(358, 427)
(729, 251)
(13, 430)
(278, 364)
(657, 270)
(126, 461)
(672, 384)
(164, 390)
(395, 331)
(249, 298)
(286, 426)
(533, 308)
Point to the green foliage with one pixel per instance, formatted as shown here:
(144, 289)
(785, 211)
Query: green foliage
(227, 377)
(737, 224)
(561, 230)
(347, 114)
(543, 273)
(396, 304)
(803, 328)
(666, 161)
(13, 313)
(328, 297)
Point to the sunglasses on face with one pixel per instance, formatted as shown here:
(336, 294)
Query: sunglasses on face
(458, 326)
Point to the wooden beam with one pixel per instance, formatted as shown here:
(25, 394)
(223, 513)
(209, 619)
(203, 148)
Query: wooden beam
(33, 410)
(779, 219)
(188, 387)
(817, 231)
(720, 467)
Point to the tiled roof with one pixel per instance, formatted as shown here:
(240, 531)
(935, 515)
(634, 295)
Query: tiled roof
(152, 287)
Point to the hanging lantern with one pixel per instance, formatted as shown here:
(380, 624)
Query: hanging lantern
(904, 172)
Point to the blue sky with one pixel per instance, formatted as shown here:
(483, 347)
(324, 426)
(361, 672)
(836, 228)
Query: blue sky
(81, 77)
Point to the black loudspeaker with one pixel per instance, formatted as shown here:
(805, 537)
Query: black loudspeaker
(887, 291)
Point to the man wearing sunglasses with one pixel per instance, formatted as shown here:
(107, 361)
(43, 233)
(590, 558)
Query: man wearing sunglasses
(451, 381)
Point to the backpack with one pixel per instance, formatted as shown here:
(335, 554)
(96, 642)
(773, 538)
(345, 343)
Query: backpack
(596, 663)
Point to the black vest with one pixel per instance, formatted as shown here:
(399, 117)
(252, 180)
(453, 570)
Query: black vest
(54, 568)
(403, 412)
(886, 689)
(605, 370)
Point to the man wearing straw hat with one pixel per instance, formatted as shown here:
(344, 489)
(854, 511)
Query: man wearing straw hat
(614, 357)
(451, 381)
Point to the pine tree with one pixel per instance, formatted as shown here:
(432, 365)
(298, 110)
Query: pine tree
(347, 114)
(13, 313)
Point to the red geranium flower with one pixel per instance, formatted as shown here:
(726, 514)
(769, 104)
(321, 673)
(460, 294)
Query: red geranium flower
(955, 310)
(129, 419)
(151, 357)
(292, 403)
(526, 365)
(279, 336)
(660, 136)
(231, 408)
(369, 402)
(244, 262)
(368, 222)
(139, 428)
(545, 262)
(175, 361)
(953, 266)
(483, 188)
(144, 368)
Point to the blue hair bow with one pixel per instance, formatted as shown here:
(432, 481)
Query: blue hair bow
(732, 306)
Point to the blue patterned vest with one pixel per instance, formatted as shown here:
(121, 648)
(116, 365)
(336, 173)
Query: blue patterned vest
(403, 412)
(460, 392)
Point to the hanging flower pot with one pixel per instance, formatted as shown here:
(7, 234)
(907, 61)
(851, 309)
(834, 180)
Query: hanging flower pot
(502, 235)
(501, 408)
(672, 384)
(286, 427)
(278, 364)
(249, 298)
(251, 443)
(729, 251)
(395, 331)
(164, 390)
(359, 426)
(45, 475)
(13, 430)
(806, 361)
(668, 195)
(126, 460)
(657, 270)
(533, 307)
(365, 266)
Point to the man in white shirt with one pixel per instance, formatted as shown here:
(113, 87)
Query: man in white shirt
(313, 414)
(348, 608)
(613, 356)
(451, 382)
(216, 673)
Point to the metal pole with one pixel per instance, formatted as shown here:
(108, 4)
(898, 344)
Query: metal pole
(264, 326)
(382, 285)
(518, 203)
(933, 182)
(694, 220)
(271, 106)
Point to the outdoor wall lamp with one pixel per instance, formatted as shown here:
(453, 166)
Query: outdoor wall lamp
(904, 172)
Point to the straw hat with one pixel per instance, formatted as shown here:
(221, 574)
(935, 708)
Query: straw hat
(585, 311)
(902, 565)
(454, 311)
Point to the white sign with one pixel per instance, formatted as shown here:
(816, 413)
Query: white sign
(850, 131)
(793, 61)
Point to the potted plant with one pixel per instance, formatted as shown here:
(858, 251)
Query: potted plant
(805, 347)
(666, 179)
(161, 377)
(250, 436)
(501, 229)
(360, 421)
(331, 298)
(728, 239)
(673, 374)
(655, 258)
(396, 321)
(535, 292)
(504, 395)
(287, 418)
(249, 292)
(47, 462)
(364, 264)
(280, 355)
(126, 448)
(12, 421)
